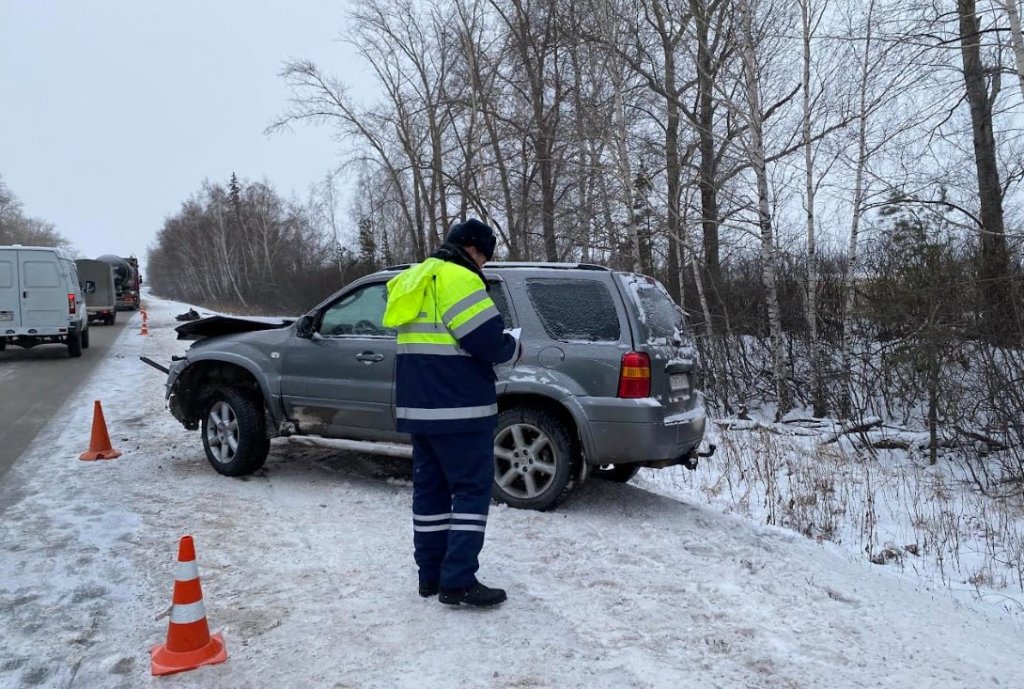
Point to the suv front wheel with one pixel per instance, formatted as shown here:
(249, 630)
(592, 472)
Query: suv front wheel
(233, 434)
(533, 457)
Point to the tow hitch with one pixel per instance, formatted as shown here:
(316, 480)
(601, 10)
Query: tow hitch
(691, 460)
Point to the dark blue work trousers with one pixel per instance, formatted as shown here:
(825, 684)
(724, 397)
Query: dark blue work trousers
(452, 477)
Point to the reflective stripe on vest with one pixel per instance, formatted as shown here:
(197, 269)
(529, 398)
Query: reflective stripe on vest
(434, 348)
(476, 321)
(464, 304)
(421, 327)
(446, 413)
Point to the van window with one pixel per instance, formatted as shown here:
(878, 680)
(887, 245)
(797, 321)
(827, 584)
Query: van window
(6, 274)
(574, 310)
(41, 274)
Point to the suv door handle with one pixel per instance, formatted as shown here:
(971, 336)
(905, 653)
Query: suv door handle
(370, 357)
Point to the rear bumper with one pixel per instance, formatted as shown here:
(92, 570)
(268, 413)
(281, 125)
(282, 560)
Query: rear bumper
(47, 331)
(100, 310)
(632, 431)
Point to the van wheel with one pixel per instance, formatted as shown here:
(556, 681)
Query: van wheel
(619, 473)
(533, 458)
(75, 345)
(3, 345)
(111, 319)
(85, 339)
(234, 436)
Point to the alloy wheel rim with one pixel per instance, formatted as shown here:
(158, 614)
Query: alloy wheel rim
(525, 461)
(222, 433)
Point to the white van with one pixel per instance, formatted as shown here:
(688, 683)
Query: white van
(41, 300)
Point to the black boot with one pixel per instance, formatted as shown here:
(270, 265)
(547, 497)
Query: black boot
(428, 589)
(476, 595)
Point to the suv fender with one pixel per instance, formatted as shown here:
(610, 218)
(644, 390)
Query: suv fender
(270, 399)
(560, 390)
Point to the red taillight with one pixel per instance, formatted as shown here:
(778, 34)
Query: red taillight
(635, 377)
(71, 304)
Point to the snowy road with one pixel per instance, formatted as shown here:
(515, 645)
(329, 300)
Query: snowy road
(306, 569)
(35, 382)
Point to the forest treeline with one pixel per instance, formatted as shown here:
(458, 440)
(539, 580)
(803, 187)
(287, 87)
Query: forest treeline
(830, 188)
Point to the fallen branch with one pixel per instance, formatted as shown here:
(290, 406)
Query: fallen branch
(992, 443)
(853, 427)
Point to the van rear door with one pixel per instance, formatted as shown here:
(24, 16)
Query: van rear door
(44, 290)
(10, 299)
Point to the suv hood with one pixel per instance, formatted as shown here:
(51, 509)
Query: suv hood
(216, 326)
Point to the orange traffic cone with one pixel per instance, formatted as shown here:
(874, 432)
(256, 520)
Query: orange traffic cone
(145, 328)
(189, 643)
(99, 443)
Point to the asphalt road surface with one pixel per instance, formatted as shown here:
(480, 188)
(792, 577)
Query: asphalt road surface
(34, 383)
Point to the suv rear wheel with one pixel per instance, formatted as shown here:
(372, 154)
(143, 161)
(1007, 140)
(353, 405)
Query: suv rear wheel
(233, 434)
(533, 458)
(620, 473)
(85, 339)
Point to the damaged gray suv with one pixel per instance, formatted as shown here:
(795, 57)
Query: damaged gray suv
(607, 382)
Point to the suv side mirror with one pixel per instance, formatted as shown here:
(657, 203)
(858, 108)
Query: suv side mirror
(90, 287)
(304, 327)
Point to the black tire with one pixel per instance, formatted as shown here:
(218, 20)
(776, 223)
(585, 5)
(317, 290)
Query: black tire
(85, 339)
(241, 419)
(112, 318)
(619, 473)
(75, 345)
(3, 345)
(543, 489)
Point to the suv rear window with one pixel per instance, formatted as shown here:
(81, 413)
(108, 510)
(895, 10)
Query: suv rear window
(580, 310)
(661, 316)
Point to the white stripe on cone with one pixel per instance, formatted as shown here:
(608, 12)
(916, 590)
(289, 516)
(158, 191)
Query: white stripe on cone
(188, 613)
(186, 571)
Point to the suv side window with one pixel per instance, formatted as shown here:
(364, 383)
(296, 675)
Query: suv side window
(358, 313)
(500, 299)
(574, 310)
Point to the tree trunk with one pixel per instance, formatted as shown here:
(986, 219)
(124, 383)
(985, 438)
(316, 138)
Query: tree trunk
(1016, 39)
(756, 154)
(852, 255)
(672, 171)
(811, 303)
(997, 307)
(706, 146)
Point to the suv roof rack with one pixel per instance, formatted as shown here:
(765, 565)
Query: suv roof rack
(503, 265)
(546, 265)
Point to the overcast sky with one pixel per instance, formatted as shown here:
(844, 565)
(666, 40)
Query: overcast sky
(113, 112)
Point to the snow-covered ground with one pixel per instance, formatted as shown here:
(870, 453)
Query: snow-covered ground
(307, 570)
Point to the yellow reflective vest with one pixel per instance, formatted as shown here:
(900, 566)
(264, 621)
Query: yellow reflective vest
(450, 336)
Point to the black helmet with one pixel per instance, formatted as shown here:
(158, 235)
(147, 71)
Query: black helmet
(474, 233)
